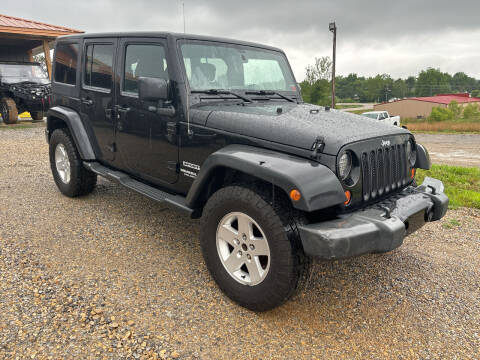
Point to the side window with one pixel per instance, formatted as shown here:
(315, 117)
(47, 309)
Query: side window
(66, 56)
(98, 66)
(143, 60)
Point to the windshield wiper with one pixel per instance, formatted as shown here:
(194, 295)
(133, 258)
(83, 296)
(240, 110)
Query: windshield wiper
(269, 92)
(221, 92)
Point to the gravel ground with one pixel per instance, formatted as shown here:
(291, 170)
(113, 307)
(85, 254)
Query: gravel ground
(452, 149)
(114, 275)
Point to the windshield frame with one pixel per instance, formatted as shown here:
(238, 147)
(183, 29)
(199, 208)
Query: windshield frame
(188, 40)
(19, 78)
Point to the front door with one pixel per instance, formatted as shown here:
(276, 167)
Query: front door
(97, 93)
(145, 145)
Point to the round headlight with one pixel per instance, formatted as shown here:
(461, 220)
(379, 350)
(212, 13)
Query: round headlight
(344, 165)
(411, 153)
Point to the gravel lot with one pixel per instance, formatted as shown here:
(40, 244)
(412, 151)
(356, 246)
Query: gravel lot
(452, 149)
(115, 275)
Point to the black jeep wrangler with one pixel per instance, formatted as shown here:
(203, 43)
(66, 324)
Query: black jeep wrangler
(24, 87)
(217, 129)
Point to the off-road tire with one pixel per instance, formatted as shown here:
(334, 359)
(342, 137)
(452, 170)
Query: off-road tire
(289, 266)
(82, 181)
(9, 110)
(37, 115)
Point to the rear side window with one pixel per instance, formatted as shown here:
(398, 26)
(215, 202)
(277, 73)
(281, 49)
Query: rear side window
(98, 66)
(66, 56)
(144, 60)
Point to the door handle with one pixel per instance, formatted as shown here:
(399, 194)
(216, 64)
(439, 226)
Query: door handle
(87, 101)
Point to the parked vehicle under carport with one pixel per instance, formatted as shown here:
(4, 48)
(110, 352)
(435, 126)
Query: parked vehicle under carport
(24, 86)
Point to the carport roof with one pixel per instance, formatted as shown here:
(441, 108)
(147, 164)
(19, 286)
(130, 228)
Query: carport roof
(13, 25)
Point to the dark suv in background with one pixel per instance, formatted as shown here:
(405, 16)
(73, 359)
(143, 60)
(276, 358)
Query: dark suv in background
(218, 129)
(24, 86)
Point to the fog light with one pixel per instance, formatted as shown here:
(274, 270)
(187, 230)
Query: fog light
(295, 195)
(348, 196)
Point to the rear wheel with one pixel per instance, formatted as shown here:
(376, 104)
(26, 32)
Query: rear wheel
(37, 115)
(9, 111)
(252, 248)
(71, 177)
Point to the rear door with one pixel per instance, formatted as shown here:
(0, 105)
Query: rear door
(147, 146)
(97, 93)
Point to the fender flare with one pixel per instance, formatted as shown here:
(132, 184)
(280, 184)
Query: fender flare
(318, 185)
(75, 125)
(423, 158)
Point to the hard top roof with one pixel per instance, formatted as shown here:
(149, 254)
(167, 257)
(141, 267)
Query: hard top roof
(178, 36)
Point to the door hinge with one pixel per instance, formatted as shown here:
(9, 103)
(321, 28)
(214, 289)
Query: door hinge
(173, 166)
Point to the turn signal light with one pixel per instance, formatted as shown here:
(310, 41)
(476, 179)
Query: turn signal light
(295, 195)
(412, 174)
(348, 196)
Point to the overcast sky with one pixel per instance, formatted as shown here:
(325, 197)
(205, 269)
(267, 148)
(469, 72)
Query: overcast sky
(398, 37)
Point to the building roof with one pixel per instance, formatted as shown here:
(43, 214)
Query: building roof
(14, 25)
(447, 98)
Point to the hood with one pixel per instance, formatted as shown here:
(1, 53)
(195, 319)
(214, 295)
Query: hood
(297, 125)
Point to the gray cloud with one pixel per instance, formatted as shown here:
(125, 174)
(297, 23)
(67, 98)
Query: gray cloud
(396, 37)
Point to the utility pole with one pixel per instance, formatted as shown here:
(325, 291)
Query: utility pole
(333, 28)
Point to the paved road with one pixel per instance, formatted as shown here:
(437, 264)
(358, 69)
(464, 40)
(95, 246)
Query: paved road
(452, 149)
(117, 276)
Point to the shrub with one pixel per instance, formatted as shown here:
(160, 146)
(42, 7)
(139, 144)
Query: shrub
(455, 109)
(471, 111)
(476, 93)
(441, 114)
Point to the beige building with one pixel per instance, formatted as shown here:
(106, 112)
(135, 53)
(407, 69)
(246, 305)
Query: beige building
(421, 107)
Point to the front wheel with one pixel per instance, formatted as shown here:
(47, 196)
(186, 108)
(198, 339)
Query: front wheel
(9, 111)
(71, 177)
(37, 115)
(252, 248)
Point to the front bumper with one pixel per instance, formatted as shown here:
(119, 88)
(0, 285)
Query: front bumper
(378, 228)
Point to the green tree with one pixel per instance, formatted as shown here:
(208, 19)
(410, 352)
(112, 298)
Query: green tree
(431, 82)
(475, 93)
(461, 82)
(320, 70)
(317, 93)
(410, 83)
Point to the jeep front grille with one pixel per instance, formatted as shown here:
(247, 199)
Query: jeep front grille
(384, 170)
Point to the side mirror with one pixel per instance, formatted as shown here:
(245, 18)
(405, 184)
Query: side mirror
(152, 89)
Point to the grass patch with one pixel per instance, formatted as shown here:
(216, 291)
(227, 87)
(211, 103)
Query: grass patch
(20, 126)
(462, 184)
(452, 223)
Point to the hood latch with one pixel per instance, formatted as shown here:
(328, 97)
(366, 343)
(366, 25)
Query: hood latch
(317, 146)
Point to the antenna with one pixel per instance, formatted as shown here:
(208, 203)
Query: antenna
(183, 8)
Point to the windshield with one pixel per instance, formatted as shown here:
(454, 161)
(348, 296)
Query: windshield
(235, 67)
(372, 116)
(15, 73)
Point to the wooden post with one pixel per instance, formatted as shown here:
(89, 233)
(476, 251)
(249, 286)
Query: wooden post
(30, 55)
(48, 59)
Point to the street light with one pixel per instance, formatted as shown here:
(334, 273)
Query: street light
(333, 28)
